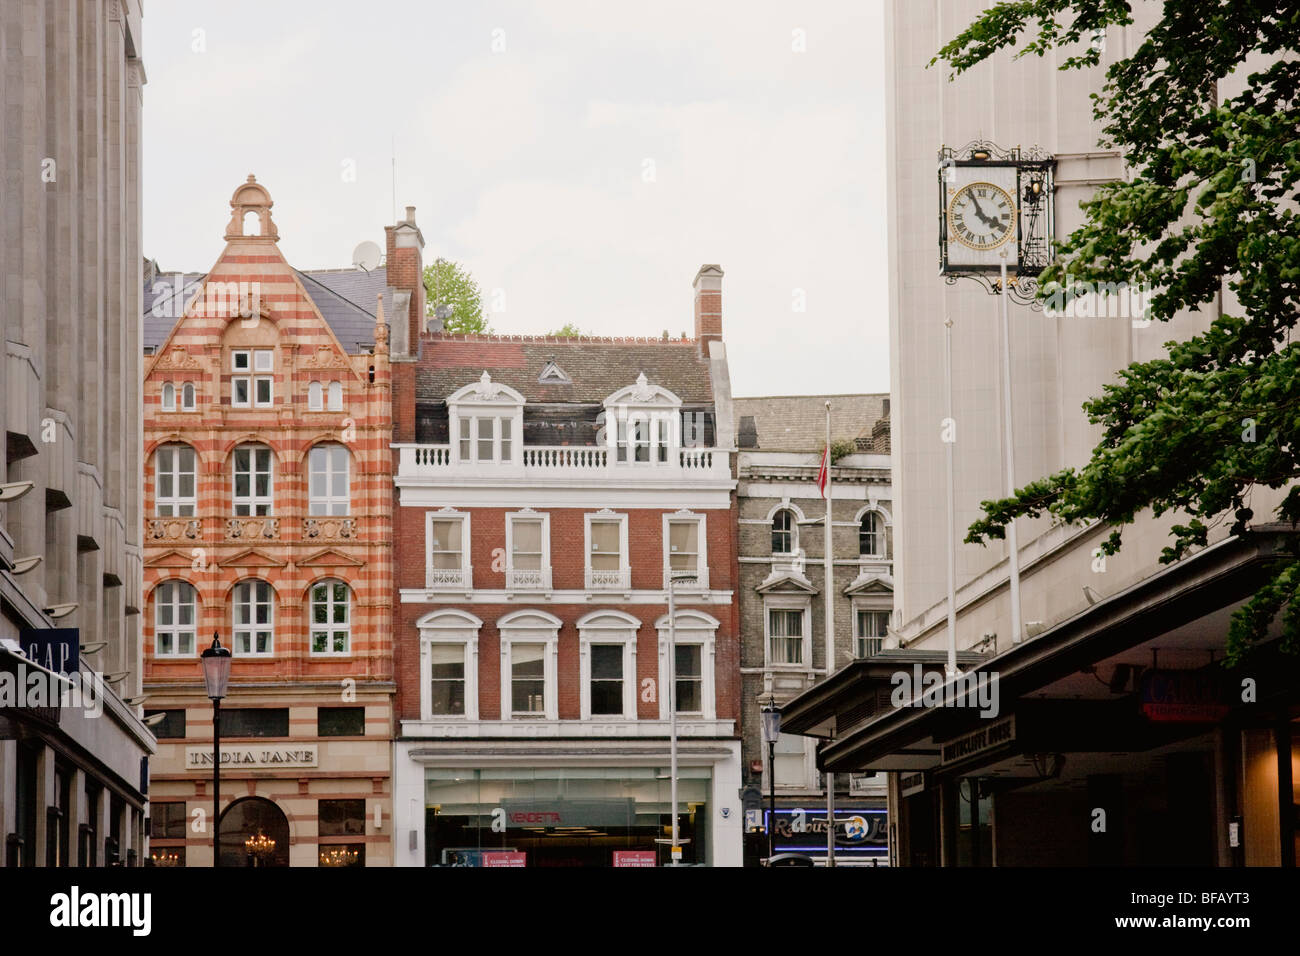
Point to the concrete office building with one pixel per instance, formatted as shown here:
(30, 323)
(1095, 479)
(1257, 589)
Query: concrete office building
(72, 777)
(1109, 696)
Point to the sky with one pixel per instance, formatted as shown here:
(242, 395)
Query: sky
(580, 159)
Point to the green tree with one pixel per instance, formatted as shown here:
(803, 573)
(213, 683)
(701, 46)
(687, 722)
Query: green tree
(1210, 203)
(568, 331)
(447, 283)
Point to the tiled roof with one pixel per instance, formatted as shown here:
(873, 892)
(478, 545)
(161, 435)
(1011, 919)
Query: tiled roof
(798, 422)
(596, 367)
(345, 298)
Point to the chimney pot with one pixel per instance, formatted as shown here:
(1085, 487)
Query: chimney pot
(410, 215)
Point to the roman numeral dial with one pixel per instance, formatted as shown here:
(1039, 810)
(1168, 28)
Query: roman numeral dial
(981, 216)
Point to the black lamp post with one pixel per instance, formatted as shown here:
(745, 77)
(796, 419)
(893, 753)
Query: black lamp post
(216, 675)
(771, 730)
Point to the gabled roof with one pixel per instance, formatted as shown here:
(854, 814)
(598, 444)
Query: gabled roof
(596, 367)
(345, 298)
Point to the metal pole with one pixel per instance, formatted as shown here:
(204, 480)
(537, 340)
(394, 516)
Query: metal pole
(216, 782)
(949, 440)
(672, 710)
(1010, 454)
(771, 800)
(830, 635)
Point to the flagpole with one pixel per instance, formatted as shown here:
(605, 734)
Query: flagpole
(830, 636)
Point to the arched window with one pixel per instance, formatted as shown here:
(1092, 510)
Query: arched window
(783, 532)
(315, 402)
(871, 536)
(174, 481)
(254, 618)
(187, 397)
(174, 623)
(330, 617)
(328, 490)
(252, 223)
(336, 396)
(169, 397)
(252, 480)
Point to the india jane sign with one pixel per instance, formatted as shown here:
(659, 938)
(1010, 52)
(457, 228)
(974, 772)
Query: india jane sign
(198, 758)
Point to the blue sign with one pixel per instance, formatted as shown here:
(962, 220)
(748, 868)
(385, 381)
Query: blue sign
(861, 832)
(57, 649)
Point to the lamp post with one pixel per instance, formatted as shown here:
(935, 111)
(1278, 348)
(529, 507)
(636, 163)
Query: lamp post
(771, 730)
(216, 676)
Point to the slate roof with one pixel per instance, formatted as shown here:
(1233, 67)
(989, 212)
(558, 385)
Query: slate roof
(797, 423)
(597, 367)
(345, 298)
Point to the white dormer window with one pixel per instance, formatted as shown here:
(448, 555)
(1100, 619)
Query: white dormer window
(642, 423)
(486, 421)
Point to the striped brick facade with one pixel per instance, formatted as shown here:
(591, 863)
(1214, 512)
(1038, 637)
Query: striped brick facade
(252, 301)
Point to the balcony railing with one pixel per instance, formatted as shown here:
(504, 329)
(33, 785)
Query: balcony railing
(434, 461)
(528, 579)
(619, 579)
(449, 578)
(684, 580)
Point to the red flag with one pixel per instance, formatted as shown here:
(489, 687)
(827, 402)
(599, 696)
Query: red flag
(824, 473)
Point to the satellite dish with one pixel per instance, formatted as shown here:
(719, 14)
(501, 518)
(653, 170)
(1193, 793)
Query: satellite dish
(444, 312)
(366, 255)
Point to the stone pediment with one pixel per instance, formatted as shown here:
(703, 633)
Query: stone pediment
(252, 558)
(171, 558)
(329, 558)
(786, 582)
(870, 584)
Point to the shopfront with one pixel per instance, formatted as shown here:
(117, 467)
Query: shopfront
(564, 816)
(861, 834)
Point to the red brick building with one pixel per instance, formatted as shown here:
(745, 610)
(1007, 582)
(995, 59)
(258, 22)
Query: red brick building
(268, 496)
(547, 488)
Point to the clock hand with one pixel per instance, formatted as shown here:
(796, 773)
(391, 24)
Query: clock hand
(979, 214)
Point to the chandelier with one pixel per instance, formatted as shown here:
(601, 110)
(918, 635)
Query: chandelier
(338, 856)
(163, 858)
(260, 845)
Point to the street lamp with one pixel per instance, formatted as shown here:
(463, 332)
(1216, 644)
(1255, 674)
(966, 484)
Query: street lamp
(771, 730)
(216, 675)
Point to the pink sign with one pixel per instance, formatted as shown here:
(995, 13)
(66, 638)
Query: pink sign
(635, 858)
(499, 858)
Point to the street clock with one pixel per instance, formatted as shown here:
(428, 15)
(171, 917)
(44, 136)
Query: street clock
(995, 203)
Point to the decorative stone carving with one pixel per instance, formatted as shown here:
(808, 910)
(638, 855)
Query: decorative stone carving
(253, 528)
(325, 357)
(329, 527)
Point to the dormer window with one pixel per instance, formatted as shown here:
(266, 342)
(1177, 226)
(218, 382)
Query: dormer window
(643, 423)
(486, 420)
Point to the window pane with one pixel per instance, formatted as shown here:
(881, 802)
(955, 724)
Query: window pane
(241, 391)
(528, 669)
(485, 439)
(606, 661)
(607, 679)
(683, 536)
(340, 722)
(341, 817)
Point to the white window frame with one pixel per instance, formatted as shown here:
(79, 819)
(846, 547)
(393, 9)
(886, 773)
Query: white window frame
(860, 607)
(175, 502)
(528, 514)
(808, 766)
(176, 586)
(320, 505)
(608, 627)
(883, 553)
(783, 602)
(315, 397)
(624, 557)
(168, 397)
(486, 400)
(450, 626)
(693, 627)
(189, 396)
(253, 499)
(793, 532)
(237, 630)
(701, 555)
(467, 572)
(244, 375)
(530, 627)
(334, 393)
(330, 627)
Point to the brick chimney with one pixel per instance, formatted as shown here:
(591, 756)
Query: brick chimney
(708, 306)
(405, 264)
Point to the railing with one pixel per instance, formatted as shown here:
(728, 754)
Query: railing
(261, 527)
(697, 580)
(528, 579)
(415, 461)
(615, 580)
(444, 578)
(565, 456)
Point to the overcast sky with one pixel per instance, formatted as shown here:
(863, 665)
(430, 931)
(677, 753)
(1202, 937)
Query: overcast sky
(580, 159)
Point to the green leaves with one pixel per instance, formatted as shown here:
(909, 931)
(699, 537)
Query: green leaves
(447, 283)
(1209, 206)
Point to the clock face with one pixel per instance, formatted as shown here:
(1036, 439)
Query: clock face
(981, 216)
